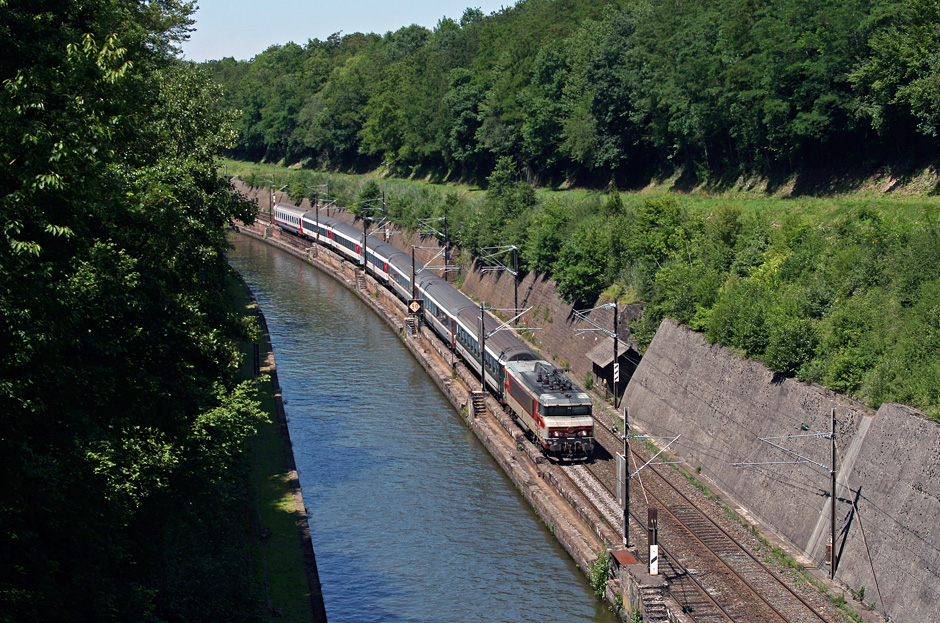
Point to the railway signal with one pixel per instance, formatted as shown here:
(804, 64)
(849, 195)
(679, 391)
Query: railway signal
(652, 523)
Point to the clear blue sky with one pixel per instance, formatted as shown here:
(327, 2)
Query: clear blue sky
(244, 28)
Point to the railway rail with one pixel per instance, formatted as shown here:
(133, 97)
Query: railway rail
(688, 591)
(739, 584)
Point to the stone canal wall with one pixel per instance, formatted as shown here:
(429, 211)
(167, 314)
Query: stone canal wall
(888, 494)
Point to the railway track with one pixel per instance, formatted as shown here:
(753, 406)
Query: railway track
(703, 557)
(688, 591)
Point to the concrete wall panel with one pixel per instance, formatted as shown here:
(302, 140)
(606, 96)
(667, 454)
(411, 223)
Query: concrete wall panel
(893, 527)
(889, 464)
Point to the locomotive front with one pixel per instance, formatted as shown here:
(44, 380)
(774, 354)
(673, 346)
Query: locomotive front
(555, 410)
(569, 427)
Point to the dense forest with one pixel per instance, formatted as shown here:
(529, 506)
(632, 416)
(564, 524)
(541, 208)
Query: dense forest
(122, 426)
(800, 97)
(593, 91)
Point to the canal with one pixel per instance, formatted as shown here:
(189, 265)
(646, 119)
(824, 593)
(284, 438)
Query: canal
(411, 519)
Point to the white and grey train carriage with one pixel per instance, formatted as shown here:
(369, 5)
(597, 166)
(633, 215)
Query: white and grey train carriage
(550, 408)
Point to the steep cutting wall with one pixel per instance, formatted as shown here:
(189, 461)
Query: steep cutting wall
(723, 405)
(894, 524)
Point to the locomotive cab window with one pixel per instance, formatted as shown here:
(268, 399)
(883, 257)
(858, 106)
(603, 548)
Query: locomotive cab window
(565, 410)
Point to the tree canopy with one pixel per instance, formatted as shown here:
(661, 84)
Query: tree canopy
(591, 91)
(118, 397)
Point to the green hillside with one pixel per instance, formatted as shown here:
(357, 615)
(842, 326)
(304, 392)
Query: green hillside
(590, 92)
(777, 161)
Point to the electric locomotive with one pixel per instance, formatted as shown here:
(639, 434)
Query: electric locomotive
(555, 411)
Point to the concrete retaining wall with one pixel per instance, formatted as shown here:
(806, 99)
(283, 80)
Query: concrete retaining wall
(722, 405)
(893, 526)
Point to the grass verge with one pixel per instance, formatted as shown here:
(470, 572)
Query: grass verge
(277, 552)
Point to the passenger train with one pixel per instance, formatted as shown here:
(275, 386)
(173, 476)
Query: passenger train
(552, 410)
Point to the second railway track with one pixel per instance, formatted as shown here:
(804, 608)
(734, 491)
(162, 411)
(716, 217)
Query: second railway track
(742, 586)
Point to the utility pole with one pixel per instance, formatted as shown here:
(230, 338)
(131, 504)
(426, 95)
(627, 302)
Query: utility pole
(515, 276)
(832, 468)
(583, 315)
(491, 261)
(425, 227)
(832, 519)
(446, 249)
(414, 286)
(482, 347)
(316, 206)
(273, 184)
(626, 479)
(365, 237)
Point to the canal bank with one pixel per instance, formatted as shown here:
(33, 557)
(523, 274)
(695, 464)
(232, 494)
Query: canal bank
(561, 508)
(281, 512)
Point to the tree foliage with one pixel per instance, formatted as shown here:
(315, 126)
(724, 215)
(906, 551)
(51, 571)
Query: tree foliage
(118, 398)
(596, 91)
(621, 94)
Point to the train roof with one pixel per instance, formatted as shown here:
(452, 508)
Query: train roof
(286, 207)
(445, 295)
(336, 224)
(548, 383)
(504, 344)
